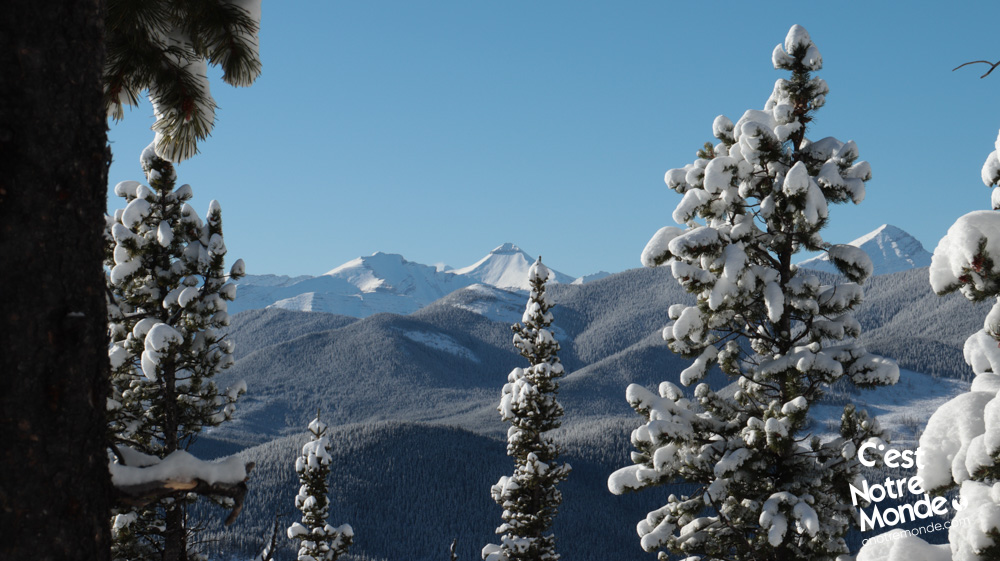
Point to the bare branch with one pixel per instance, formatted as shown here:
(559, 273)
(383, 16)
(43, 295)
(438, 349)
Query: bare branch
(993, 66)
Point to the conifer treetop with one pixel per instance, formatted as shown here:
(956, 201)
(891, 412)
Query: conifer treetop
(763, 487)
(529, 496)
(168, 294)
(319, 541)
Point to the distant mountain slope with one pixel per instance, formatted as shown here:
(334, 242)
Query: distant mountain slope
(262, 328)
(614, 313)
(490, 302)
(901, 317)
(891, 250)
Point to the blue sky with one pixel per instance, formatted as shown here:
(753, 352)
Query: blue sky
(441, 130)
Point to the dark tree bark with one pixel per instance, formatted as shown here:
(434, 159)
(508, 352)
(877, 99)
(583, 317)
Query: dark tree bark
(55, 489)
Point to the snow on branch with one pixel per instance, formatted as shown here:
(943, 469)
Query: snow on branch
(150, 479)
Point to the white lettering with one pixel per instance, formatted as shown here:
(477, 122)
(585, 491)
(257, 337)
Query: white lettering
(861, 454)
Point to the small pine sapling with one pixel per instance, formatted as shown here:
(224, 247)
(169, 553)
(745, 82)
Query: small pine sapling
(318, 541)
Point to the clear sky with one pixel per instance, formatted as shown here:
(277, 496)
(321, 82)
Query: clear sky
(439, 130)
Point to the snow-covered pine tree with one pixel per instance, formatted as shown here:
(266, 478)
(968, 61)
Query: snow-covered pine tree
(760, 486)
(960, 446)
(168, 291)
(164, 47)
(529, 497)
(318, 541)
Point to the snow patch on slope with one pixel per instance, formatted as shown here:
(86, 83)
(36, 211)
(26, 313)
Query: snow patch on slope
(891, 250)
(441, 342)
(490, 302)
(902, 409)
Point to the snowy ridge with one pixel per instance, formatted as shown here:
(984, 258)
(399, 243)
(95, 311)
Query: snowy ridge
(493, 303)
(591, 278)
(506, 267)
(381, 282)
(890, 249)
(386, 282)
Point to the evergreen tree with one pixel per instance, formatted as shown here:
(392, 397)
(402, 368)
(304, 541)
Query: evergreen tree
(960, 447)
(168, 294)
(760, 486)
(318, 540)
(529, 497)
(164, 47)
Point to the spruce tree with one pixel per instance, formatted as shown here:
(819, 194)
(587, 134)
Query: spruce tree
(164, 47)
(529, 497)
(318, 541)
(760, 486)
(168, 291)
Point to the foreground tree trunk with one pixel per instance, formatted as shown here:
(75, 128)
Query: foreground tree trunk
(54, 500)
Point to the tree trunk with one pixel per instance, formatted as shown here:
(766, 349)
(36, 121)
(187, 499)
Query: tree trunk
(55, 495)
(174, 537)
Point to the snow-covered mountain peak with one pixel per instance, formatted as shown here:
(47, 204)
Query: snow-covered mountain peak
(506, 267)
(507, 249)
(885, 232)
(391, 272)
(386, 282)
(890, 248)
(375, 261)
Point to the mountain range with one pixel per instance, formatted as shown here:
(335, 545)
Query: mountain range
(411, 395)
(387, 282)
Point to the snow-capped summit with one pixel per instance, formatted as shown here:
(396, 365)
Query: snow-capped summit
(390, 272)
(891, 250)
(381, 282)
(506, 267)
(385, 282)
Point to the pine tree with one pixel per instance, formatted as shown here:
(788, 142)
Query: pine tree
(318, 540)
(164, 47)
(529, 497)
(960, 447)
(760, 486)
(168, 294)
